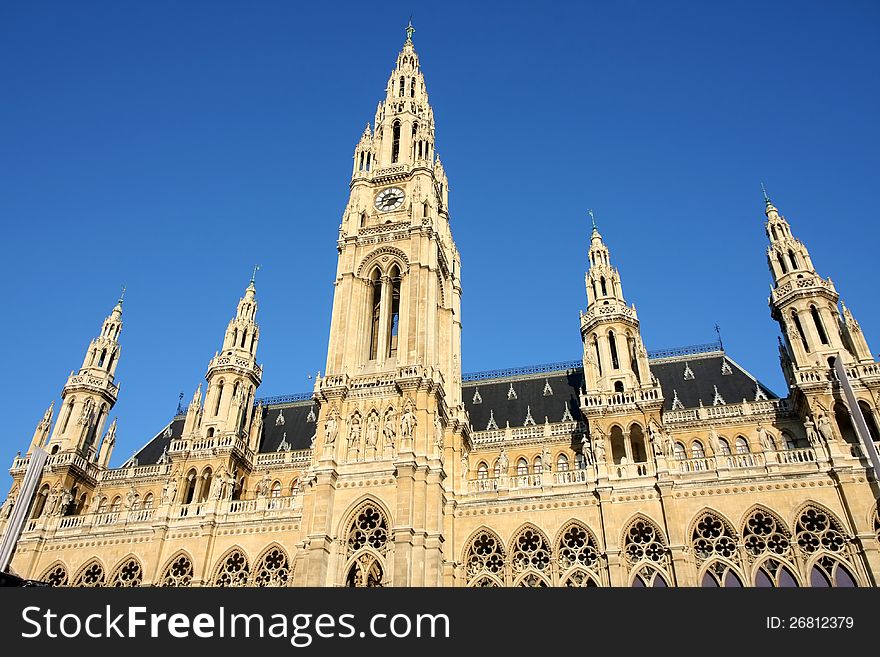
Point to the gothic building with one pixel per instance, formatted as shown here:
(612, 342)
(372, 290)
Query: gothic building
(622, 468)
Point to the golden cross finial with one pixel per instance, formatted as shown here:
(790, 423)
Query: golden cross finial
(409, 30)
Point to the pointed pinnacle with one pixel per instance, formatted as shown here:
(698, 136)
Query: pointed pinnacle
(766, 198)
(409, 31)
(254, 275)
(121, 296)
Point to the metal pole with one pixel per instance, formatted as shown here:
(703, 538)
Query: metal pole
(22, 505)
(860, 425)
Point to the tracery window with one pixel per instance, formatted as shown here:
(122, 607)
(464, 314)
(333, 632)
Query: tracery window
(720, 574)
(276, 490)
(367, 541)
(128, 574)
(763, 533)
(712, 537)
(773, 573)
(116, 504)
(646, 554)
(91, 576)
(562, 463)
(697, 451)
(484, 560)
(233, 571)
(578, 557)
(815, 530)
(679, 451)
(723, 447)
(828, 571)
(55, 576)
(530, 551)
(482, 470)
(522, 467)
(273, 569)
(179, 572)
(538, 465)
(742, 445)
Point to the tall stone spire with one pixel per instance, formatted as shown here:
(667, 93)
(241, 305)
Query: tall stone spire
(615, 358)
(89, 395)
(42, 430)
(804, 303)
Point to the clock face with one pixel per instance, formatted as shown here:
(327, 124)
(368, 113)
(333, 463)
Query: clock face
(389, 199)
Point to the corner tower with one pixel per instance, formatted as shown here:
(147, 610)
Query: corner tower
(390, 412)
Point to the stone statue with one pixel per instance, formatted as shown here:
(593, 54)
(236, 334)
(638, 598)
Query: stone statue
(464, 463)
(812, 436)
(9, 503)
(546, 460)
(586, 450)
(714, 441)
(407, 423)
(656, 438)
(599, 448)
(765, 440)
(330, 430)
(169, 490)
(263, 485)
(438, 433)
(825, 429)
(65, 499)
(388, 429)
(52, 500)
(85, 417)
(354, 431)
(372, 429)
(503, 463)
(131, 498)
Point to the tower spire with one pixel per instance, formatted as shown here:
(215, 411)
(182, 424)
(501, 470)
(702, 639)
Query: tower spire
(766, 198)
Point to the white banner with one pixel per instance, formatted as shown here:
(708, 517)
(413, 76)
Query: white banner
(22, 505)
(856, 414)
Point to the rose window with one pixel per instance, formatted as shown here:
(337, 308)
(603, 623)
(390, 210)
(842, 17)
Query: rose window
(57, 576)
(763, 533)
(92, 576)
(643, 542)
(273, 569)
(815, 531)
(130, 574)
(369, 529)
(234, 571)
(712, 537)
(530, 552)
(179, 572)
(485, 556)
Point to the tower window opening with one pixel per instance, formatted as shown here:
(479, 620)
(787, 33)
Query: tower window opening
(598, 355)
(781, 262)
(394, 320)
(67, 415)
(402, 85)
(219, 398)
(395, 142)
(363, 219)
(595, 293)
(612, 343)
(412, 88)
(103, 356)
(793, 259)
(800, 330)
(253, 342)
(773, 232)
(870, 420)
(425, 209)
(618, 386)
(604, 289)
(361, 160)
(369, 160)
(818, 322)
(375, 309)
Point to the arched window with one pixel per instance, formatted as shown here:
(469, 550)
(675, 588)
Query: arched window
(276, 490)
(828, 572)
(68, 414)
(637, 444)
(844, 424)
(363, 219)
(179, 572)
(243, 338)
(679, 451)
(395, 142)
(818, 322)
(645, 551)
(90, 576)
(412, 88)
(580, 462)
(210, 432)
(102, 505)
(530, 557)
(578, 556)
(367, 534)
(273, 569)
(792, 258)
(496, 469)
(205, 486)
(870, 420)
(800, 330)
(482, 470)
(618, 386)
(562, 463)
(102, 357)
(233, 571)
(190, 490)
(40, 501)
(742, 445)
(817, 531)
(612, 344)
(148, 501)
(219, 396)
(781, 262)
(720, 574)
(604, 288)
(375, 312)
(484, 560)
(772, 573)
(618, 447)
(773, 232)
(723, 447)
(697, 451)
(522, 466)
(116, 504)
(401, 89)
(55, 576)
(537, 465)
(598, 354)
(128, 574)
(394, 319)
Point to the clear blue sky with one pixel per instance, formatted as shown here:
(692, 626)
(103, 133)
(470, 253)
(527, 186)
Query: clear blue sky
(171, 146)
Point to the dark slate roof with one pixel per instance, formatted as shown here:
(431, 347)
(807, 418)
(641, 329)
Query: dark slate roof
(530, 397)
(152, 451)
(707, 371)
(564, 383)
(296, 425)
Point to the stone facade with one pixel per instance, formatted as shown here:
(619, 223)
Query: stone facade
(624, 468)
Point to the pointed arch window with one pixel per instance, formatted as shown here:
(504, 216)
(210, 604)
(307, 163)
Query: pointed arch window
(781, 262)
(830, 572)
(604, 289)
(522, 466)
(679, 451)
(178, 573)
(375, 312)
(792, 258)
(482, 470)
(401, 87)
(394, 317)
(219, 397)
(742, 445)
(697, 451)
(562, 463)
(598, 354)
(395, 142)
(870, 420)
(800, 330)
(817, 320)
(612, 343)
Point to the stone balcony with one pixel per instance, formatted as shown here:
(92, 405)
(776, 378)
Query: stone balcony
(228, 512)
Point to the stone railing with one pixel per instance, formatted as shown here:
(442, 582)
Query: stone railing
(803, 455)
(605, 400)
(597, 312)
(724, 411)
(704, 464)
(139, 472)
(562, 477)
(628, 470)
(300, 457)
(530, 433)
(745, 460)
(801, 284)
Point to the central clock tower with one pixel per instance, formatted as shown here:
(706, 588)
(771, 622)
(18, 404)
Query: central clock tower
(391, 424)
